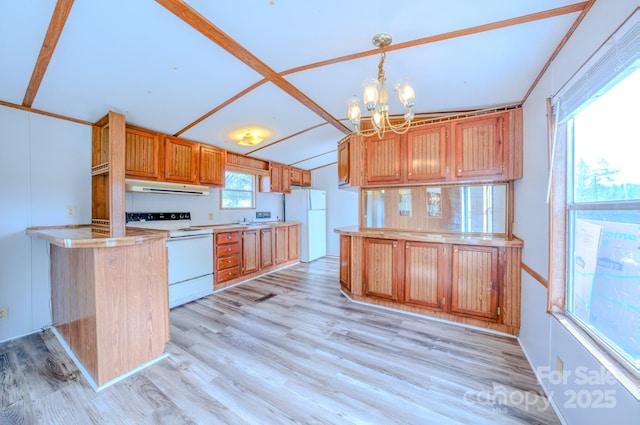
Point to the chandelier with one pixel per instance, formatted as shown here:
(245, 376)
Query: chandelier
(376, 96)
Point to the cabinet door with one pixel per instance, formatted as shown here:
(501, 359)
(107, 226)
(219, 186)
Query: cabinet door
(424, 274)
(306, 178)
(286, 179)
(266, 247)
(281, 244)
(180, 160)
(427, 153)
(250, 251)
(343, 163)
(142, 154)
(479, 147)
(294, 242)
(345, 262)
(383, 160)
(276, 177)
(474, 281)
(381, 265)
(296, 176)
(212, 162)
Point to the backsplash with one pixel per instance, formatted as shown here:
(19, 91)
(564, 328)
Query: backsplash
(205, 209)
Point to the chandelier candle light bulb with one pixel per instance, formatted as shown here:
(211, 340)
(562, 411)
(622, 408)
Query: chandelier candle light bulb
(376, 96)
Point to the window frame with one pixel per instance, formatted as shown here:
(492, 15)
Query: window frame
(559, 179)
(253, 191)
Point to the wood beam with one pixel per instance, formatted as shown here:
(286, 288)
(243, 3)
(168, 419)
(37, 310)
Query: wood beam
(56, 25)
(215, 34)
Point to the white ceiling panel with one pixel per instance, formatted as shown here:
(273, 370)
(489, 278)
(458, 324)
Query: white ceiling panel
(142, 60)
(22, 31)
(138, 59)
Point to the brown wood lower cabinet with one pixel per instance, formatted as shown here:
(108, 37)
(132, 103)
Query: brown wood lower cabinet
(266, 248)
(293, 242)
(281, 251)
(250, 251)
(381, 264)
(425, 274)
(227, 255)
(345, 262)
(474, 284)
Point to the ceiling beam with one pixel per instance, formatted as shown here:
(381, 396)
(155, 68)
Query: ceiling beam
(58, 19)
(545, 14)
(215, 34)
(555, 53)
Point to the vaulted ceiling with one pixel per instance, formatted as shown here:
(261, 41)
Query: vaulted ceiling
(211, 70)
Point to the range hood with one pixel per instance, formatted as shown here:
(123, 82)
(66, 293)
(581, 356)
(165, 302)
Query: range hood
(148, 186)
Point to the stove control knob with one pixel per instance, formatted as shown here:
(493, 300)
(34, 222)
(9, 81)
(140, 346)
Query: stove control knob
(149, 217)
(181, 216)
(173, 216)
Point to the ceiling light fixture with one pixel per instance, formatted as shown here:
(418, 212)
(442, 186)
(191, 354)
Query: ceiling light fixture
(249, 139)
(376, 96)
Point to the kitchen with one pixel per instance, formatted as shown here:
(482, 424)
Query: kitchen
(48, 169)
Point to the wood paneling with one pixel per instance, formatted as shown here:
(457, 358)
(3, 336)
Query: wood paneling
(426, 156)
(142, 154)
(266, 248)
(382, 160)
(479, 147)
(250, 251)
(212, 169)
(425, 274)
(381, 263)
(180, 160)
(474, 281)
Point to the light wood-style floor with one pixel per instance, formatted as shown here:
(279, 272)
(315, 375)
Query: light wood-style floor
(282, 349)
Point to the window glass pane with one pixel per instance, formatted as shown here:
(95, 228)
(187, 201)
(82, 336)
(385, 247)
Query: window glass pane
(607, 135)
(605, 277)
(603, 193)
(238, 191)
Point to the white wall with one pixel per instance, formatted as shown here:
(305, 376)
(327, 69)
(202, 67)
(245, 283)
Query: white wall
(46, 166)
(342, 205)
(542, 337)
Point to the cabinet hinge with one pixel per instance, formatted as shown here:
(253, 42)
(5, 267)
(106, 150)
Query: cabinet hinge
(443, 301)
(498, 311)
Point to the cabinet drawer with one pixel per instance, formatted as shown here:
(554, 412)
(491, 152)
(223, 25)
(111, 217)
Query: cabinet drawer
(227, 262)
(226, 250)
(227, 237)
(227, 274)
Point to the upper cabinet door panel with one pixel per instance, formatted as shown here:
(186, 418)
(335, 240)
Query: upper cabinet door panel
(427, 154)
(479, 147)
(181, 160)
(383, 160)
(142, 154)
(212, 163)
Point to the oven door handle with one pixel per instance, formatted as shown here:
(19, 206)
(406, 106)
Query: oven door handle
(189, 237)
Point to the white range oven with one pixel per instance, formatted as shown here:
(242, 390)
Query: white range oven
(189, 253)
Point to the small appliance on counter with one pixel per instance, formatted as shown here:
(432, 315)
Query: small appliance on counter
(190, 254)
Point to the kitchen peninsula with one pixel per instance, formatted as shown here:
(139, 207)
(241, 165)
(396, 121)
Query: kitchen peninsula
(109, 297)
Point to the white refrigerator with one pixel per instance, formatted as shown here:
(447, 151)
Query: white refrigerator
(308, 206)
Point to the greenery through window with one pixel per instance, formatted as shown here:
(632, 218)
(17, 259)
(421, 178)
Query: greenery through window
(603, 216)
(239, 191)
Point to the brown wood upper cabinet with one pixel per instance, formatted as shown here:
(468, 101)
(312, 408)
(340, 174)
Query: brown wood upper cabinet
(306, 178)
(212, 165)
(280, 178)
(383, 159)
(180, 160)
(480, 148)
(426, 154)
(300, 177)
(143, 154)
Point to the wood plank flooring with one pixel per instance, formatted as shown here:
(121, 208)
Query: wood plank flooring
(282, 349)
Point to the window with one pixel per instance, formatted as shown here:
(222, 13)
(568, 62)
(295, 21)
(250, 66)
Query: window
(238, 192)
(598, 129)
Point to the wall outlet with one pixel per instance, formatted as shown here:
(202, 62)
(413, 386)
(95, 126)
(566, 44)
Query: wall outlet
(71, 211)
(210, 216)
(4, 313)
